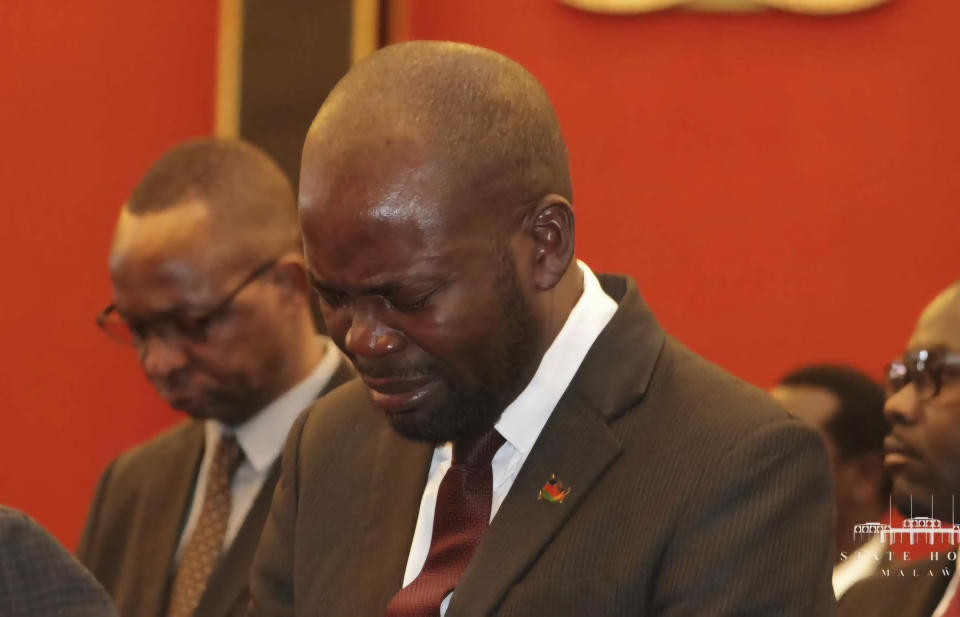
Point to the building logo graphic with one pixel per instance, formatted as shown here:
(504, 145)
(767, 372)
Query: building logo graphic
(912, 529)
(920, 546)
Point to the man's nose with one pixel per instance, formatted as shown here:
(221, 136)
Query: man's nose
(903, 406)
(369, 337)
(162, 356)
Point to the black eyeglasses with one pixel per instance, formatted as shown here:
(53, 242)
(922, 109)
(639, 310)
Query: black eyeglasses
(133, 333)
(926, 369)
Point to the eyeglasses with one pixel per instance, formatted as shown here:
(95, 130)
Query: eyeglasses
(133, 332)
(925, 369)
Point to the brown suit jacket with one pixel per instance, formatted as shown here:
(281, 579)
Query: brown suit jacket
(693, 493)
(138, 513)
(899, 590)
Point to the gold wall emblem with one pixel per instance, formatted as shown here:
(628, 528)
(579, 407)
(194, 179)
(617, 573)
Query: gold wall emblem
(809, 7)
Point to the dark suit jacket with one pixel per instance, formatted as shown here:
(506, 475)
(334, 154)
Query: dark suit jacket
(138, 515)
(39, 578)
(693, 493)
(899, 589)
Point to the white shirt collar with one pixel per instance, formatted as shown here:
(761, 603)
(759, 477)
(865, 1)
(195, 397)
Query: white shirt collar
(861, 564)
(526, 416)
(262, 436)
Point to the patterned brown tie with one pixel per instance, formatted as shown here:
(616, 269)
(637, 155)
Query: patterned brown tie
(461, 517)
(205, 544)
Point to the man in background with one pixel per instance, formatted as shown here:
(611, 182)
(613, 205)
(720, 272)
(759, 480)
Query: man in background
(923, 460)
(846, 408)
(209, 288)
(39, 578)
(526, 439)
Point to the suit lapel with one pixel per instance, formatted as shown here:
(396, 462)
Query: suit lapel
(398, 477)
(167, 504)
(577, 445)
(229, 581)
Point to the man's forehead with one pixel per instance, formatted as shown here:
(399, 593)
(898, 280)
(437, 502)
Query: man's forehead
(386, 263)
(390, 174)
(397, 222)
(939, 325)
(179, 229)
(160, 253)
(939, 331)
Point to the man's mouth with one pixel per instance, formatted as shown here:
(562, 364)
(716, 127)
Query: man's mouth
(897, 453)
(399, 395)
(180, 399)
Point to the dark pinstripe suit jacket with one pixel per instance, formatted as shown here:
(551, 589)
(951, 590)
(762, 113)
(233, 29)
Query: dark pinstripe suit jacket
(901, 589)
(692, 494)
(39, 578)
(138, 514)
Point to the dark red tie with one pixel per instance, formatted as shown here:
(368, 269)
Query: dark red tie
(461, 517)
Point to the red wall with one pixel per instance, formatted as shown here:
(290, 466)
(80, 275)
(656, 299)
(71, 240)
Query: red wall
(784, 188)
(90, 93)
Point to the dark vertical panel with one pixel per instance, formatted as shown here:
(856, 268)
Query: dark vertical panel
(294, 51)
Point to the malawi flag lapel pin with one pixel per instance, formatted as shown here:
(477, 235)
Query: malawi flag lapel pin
(553, 491)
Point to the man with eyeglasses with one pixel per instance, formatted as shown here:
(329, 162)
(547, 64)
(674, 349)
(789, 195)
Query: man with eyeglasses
(923, 460)
(210, 290)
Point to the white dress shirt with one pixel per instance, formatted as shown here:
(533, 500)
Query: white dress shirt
(261, 438)
(858, 566)
(524, 418)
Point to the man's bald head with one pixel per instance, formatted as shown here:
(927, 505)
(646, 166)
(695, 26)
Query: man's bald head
(946, 300)
(247, 197)
(480, 117)
(939, 324)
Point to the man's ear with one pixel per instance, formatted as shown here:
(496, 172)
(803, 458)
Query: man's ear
(290, 275)
(553, 236)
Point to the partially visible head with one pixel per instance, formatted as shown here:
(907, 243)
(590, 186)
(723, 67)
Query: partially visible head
(846, 407)
(435, 201)
(209, 216)
(923, 406)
